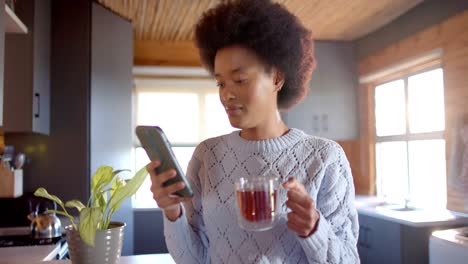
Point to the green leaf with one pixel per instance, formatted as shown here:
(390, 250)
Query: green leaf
(75, 204)
(41, 192)
(127, 190)
(102, 201)
(89, 220)
(101, 178)
(118, 171)
(117, 184)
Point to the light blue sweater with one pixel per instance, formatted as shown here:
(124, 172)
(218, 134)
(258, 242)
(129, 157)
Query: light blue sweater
(207, 231)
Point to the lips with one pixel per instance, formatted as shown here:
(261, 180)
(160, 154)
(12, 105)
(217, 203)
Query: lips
(233, 109)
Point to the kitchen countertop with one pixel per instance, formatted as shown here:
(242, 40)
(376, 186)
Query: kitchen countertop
(29, 254)
(456, 236)
(374, 206)
(136, 259)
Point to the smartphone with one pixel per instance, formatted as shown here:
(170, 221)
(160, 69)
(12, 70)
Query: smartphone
(157, 147)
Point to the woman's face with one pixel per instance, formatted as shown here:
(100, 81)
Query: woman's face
(247, 90)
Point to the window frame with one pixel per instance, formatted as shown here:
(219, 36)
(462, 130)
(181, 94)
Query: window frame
(170, 85)
(407, 136)
(201, 86)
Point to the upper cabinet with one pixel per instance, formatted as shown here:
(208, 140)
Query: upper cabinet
(26, 101)
(12, 23)
(331, 108)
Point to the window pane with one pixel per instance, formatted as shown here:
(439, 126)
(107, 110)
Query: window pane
(392, 170)
(427, 173)
(176, 113)
(390, 116)
(426, 102)
(144, 196)
(216, 120)
(183, 154)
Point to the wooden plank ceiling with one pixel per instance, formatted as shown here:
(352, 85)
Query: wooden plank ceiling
(163, 29)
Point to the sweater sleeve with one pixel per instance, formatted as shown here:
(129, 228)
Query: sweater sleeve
(335, 238)
(186, 237)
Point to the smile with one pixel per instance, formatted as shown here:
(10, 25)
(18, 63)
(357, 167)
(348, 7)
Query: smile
(233, 110)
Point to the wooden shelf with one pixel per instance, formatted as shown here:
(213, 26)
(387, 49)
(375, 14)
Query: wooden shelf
(12, 23)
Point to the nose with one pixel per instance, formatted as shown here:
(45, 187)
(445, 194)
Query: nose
(227, 94)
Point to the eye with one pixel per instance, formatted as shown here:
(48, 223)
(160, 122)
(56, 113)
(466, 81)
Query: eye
(241, 81)
(220, 84)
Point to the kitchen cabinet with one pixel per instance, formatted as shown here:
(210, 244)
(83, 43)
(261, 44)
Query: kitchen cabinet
(9, 24)
(385, 241)
(379, 240)
(91, 110)
(26, 102)
(330, 108)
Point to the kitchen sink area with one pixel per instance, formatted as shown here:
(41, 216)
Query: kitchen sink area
(399, 207)
(404, 214)
(398, 228)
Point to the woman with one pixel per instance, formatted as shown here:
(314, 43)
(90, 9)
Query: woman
(262, 59)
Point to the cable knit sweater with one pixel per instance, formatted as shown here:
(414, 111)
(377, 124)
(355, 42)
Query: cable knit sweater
(207, 231)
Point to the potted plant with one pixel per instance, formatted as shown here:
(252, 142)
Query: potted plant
(96, 239)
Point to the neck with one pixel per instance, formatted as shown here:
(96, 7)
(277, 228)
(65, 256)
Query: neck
(272, 128)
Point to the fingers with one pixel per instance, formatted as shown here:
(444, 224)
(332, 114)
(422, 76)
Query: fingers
(302, 199)
(300, 210)
(168, 190)
(304, 216)
(301, 226)
(165, 198)
(159, 179)
(151, 167)
(164, 195)
(296, 219)
(293, 184)
(167, 202)
(299, 229)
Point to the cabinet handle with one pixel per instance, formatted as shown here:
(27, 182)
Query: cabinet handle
(38, 110)
(365, 234)
(369, 238)
(365, 237)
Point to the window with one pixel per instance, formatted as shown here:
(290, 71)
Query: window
(410, 144)
(188, 111)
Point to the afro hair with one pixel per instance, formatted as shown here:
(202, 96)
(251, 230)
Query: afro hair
(275, 35)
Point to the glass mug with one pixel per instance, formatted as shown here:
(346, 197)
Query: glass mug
(258, 208)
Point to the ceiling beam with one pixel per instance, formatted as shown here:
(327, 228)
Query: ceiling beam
(163, 53)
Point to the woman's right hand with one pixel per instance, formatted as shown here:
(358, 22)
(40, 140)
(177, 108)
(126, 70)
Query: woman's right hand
(164, 195)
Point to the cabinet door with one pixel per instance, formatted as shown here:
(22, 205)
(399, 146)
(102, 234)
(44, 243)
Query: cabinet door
(41, 67)
(384, 241)
(330, 109)
(27, 71)
(18, 73)
(363, 245)
(380, 242)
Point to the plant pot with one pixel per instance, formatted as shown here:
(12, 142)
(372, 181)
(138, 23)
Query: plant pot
(107, 249)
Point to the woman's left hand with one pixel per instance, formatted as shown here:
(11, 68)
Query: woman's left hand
(304, 217)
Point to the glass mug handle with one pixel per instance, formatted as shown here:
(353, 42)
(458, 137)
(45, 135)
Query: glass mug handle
(279, 213)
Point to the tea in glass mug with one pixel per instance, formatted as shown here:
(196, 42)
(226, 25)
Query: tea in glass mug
(257, 204)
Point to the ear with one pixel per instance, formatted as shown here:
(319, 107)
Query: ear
(278, 80)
